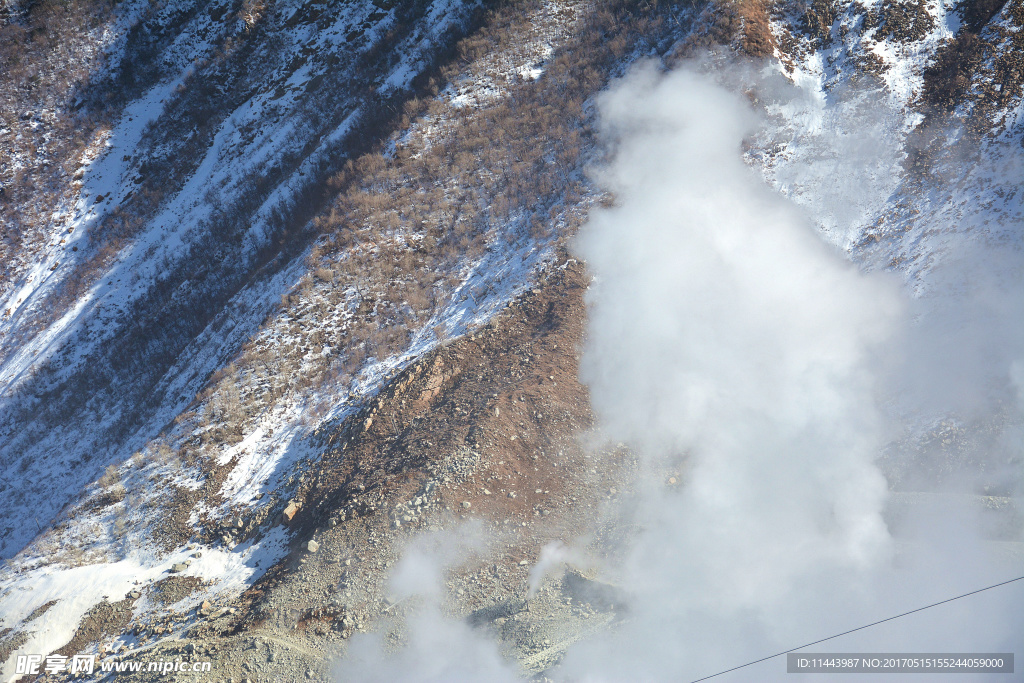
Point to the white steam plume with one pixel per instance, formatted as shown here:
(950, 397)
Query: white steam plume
(722, 328)
(553, 556)
(436, 648)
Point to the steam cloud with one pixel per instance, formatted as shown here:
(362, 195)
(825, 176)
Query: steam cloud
(727, 335)
(722, 328)
(438, 649)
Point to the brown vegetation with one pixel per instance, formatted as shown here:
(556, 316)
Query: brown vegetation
(981, 69)
(977, 13)
(947, 79)
(901, 20)
(46, 58)
(740, 25)
(757, 39)
(817, 21)
(403, 223)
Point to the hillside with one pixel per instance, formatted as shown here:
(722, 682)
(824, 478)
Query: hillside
(389, 340)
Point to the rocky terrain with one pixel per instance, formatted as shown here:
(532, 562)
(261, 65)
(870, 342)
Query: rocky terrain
(293, 310)
(483, 435)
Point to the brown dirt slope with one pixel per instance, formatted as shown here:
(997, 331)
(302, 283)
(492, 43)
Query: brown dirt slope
(487, 430)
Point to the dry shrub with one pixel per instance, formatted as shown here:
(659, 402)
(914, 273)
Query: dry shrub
(949, 76)
(977, 13)
(757, 39)
(110, 477)
(902, 20)
(818, 20)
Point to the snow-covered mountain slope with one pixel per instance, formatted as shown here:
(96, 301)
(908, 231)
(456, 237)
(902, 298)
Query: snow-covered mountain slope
(201, 281)
(284, 214)
(913, 167)
(236, 138)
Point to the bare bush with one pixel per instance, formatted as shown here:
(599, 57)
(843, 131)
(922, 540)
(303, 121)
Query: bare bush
(111, 476)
